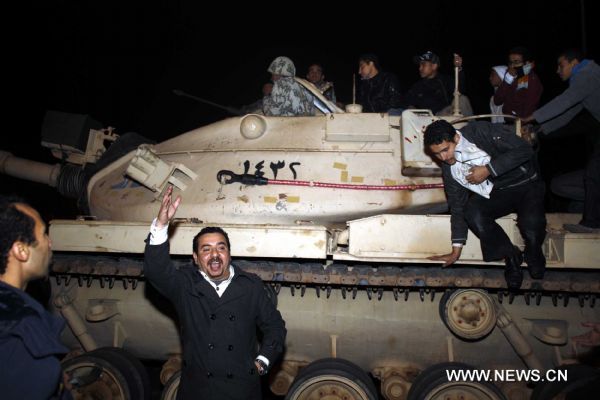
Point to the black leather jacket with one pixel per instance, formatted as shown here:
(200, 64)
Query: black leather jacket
(513, 163)
(380, 93)
(434, 93)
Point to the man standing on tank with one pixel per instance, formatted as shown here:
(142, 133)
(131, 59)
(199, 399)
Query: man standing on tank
(489, 172)
(220, 308)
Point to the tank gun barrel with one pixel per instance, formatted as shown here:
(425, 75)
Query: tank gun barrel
(69, 180)
(29, 170)
(231, 110)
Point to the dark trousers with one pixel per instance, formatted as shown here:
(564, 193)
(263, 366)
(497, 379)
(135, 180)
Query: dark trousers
(527, 201)
(591, 207)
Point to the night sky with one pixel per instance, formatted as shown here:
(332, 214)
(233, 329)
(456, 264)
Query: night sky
(120, 63)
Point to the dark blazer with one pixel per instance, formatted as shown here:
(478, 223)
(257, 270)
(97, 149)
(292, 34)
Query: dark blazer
(29, 348)
(218, 333)
(512, 163)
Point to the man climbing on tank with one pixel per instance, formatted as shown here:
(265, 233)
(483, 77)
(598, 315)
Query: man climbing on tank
(220, 308)
(489, 172)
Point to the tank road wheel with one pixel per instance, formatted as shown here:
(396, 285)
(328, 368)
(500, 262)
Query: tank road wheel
(106, 374)
(139, 376)
(468, 313)
(171, 387)
(332, 379)
(433, 384)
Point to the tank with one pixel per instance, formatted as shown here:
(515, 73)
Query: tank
(337, 214)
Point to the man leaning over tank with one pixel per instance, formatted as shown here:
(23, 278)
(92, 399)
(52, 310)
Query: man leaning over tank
(220, 307)
(489, 172)
(29, 335)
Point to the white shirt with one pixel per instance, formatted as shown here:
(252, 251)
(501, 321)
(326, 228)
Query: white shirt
(468, 155)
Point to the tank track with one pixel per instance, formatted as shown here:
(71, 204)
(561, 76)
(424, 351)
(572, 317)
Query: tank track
(398, 281)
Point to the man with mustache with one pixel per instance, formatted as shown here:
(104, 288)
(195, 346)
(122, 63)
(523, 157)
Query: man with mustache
(220, 307)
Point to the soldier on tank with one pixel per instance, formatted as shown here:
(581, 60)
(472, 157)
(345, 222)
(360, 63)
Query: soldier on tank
(288, 98)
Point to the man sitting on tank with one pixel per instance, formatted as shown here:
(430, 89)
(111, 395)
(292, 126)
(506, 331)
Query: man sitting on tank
(489, 172)
(288, 98)
(220, 307)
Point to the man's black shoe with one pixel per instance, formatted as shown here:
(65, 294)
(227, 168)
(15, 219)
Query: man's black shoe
(536, 267)
(513, 272)
(536, 271)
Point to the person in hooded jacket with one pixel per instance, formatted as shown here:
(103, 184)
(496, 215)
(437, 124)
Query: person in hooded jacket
(29, 335)
(287, 98)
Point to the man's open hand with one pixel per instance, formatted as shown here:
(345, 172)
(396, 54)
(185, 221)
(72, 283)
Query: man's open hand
(167, 208)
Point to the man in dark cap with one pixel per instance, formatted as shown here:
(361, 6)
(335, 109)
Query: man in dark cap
(435, 90)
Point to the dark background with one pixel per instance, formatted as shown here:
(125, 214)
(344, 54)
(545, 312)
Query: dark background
(119, 61)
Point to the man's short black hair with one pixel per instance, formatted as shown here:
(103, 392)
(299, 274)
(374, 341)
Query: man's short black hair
(370, 57)
(523, 51)
(15, 225)
(572, 54)
(439, 131)
(315, 64)
(207, 230)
